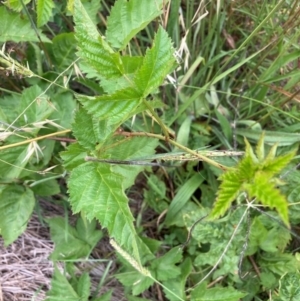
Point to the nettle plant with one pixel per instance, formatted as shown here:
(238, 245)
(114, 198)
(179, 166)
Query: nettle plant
(128, 86)
(97, 189)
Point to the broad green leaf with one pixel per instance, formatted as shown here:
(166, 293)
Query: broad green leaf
(165, 267)
(97, 191)
(16, 206)
(91, 132)
(182, 197)
(218, 294)
(127, 18)
(63, 50)
(46, 187)
(139, 283)
(268, 195)
(116, 107)
(92, 47)
(35, 106)
(61, 289)
(157, 63)
(65, 106)
(105, 297)
(12, 161)
(73, 156)
(130, 149)
(16, 5)
(228, 191)
(44, 11)
(178, 286)
(17, 29)
(70, 242)
(92, 8)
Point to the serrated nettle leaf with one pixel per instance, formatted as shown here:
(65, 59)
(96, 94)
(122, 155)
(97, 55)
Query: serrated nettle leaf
(16, 206)
(17, 29)
(228, 191)
(73, 156)
(44, 11)
(117, 107)
(276, 165)
(92, 47)
(130, 148)
(127, 18)
(90, 131)
(157, 63)
(249, 152)
(268, 195)
(97, 191)
(92, 8)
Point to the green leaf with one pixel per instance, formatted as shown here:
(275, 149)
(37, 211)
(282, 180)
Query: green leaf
(46, 187)
(92, 47)
(218, 294)
(63, 50)
(65, 106)
(182, 197)
(157, 63)
(89, 131)
(16, 206)
(130, 149)
(83, 287)
(274, 166)
(268, 195)
(16, 5)
(228, 191)
(92, 8)
(17, 29)
(127, 18)
(139, 283)
(35, 106)
(12, 161)
(61, 289)
(43, 11)
(97, 191)
(70, 242)
(165, 267)
(116, 107)
(73, 156)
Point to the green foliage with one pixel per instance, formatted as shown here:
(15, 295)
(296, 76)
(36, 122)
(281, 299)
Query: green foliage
(255, 176)
(44, 11)
(108, 96)
(14, 28)
(73, 242)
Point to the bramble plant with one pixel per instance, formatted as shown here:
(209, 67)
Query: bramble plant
(123, 93)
